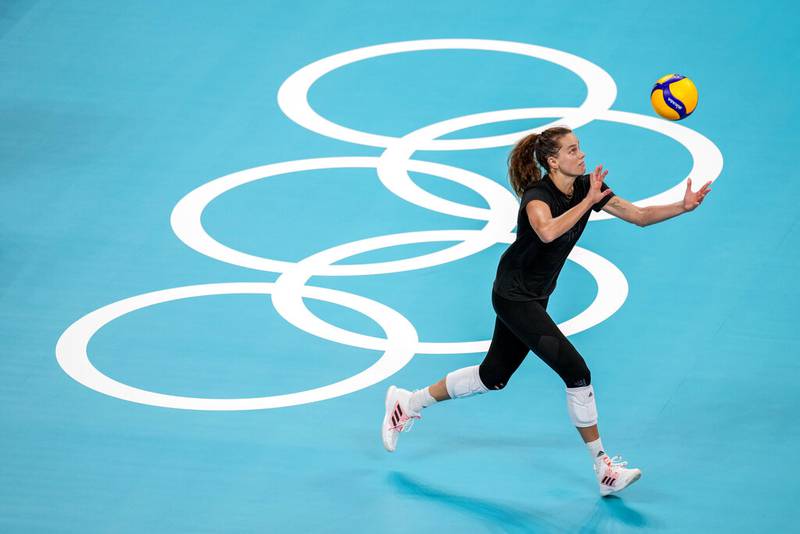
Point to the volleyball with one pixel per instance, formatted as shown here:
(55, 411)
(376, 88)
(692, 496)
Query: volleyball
(674, 97)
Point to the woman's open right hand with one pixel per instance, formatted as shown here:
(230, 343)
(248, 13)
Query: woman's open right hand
(595, 183)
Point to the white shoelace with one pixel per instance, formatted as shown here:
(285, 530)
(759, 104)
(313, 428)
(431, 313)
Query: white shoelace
(409, 424)
(617, 461)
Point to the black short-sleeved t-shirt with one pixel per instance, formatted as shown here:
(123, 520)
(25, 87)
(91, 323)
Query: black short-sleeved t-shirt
(529, 267)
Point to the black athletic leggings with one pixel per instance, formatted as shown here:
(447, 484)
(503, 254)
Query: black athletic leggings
(526, 326)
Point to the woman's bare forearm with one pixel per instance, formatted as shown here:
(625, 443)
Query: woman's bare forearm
(558, 226)
(656, 214)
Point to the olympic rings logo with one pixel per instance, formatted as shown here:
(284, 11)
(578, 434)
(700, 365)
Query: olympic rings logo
(288, 292)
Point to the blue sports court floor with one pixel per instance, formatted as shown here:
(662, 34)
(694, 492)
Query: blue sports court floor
(228, 227)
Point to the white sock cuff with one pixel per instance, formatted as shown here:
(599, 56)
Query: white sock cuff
(427, 398)
(596, 450)
(464, 382)
(420, 399)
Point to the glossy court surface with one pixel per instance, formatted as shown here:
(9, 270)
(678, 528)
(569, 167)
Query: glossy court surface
(227, 229)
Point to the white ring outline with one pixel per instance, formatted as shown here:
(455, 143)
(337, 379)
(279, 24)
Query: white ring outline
(293, 93)
(612, 291)
(707, 161)
(72, 355)
(186, 218)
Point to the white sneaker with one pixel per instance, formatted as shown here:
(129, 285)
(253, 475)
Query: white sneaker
(398, 418)
(613, 476)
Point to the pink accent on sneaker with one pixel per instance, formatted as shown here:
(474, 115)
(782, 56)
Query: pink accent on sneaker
(400, 419)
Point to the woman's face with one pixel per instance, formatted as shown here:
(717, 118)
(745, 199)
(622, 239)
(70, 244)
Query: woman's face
(569, 160)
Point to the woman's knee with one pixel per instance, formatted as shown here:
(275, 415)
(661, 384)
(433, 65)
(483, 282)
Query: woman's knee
(464, 382)
(492, 377)
(577, 375)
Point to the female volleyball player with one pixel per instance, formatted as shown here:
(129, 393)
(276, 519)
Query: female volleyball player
(553, 213)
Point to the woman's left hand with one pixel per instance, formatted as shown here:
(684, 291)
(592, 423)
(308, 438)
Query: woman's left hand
(693, 199)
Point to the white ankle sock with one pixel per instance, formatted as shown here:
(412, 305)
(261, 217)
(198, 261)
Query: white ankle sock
(420, 399)
(596, 450)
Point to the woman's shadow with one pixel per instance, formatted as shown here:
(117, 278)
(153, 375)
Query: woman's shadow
(494, 515)
(609, 512)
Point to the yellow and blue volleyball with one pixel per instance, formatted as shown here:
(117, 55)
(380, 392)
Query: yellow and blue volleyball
(674, 97)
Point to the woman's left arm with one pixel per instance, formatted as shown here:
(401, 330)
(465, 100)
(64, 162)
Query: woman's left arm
(621, 208)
